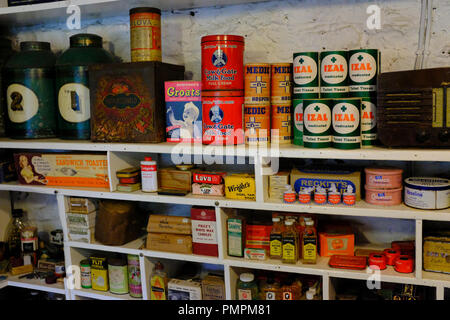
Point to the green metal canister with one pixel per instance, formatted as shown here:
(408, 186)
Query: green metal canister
(317, 131)
(5, 53)
(346, 123)
(298, 121)
(72, 84)
(369, 121)
(333, 74)
(30, 92)
(364, 67)
(306, 75)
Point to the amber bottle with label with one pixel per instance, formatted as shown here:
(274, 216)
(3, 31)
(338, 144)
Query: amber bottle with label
(309, 243)
(271, 290)
(291, 290)
(276, 239)
(290, 243)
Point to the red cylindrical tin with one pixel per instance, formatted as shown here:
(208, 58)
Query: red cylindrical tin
(377, 260)
(222, 117)
(222, 62)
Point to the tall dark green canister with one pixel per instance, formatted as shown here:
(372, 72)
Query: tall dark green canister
(30, 92)
(72, 84)
(5, 53)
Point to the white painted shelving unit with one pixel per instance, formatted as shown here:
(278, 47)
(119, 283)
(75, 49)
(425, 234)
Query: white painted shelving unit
(122, 155)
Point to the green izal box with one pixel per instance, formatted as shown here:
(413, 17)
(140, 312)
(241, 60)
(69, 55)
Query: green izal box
(317, 131)
(346, 123)
(333, 74)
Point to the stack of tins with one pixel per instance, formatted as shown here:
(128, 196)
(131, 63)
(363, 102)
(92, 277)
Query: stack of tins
(222, 89)
(257, 103)
(281, 103)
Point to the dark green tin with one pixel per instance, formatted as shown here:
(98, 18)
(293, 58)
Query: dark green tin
(346, 115)
(333, 74)
(30, 92)
(72, 84)
(5, 53)
(317, 130)
(364, 67)
(306, 75)
(369, 121)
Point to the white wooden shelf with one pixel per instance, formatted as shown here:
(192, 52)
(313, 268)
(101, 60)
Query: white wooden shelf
(35, 284)
(55, 12)
(101, 295)
(132, 247)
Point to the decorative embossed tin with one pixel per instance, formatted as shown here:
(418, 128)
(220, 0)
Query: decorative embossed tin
(127, 100)
(29, 82)
(72, 84)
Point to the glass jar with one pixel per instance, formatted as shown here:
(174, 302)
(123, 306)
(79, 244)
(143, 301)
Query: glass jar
(247, 288)
(72, 84)
(30, 92)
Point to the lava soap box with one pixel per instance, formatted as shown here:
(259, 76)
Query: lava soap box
(305, 178)
(240, 187)
(62, 169)
(183, 111)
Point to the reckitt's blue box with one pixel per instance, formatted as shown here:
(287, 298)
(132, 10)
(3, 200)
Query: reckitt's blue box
(183, 111)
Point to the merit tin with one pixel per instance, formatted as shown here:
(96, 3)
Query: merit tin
(222, 62)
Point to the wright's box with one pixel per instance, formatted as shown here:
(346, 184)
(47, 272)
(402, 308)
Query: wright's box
(57, 169)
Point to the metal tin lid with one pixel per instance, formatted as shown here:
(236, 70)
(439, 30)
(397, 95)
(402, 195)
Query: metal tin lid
(223, 37)
(384, 171)
(85, 262)
(145, 10)
(117, 262)
(34, 46)
(247, 277)
(83, 40)
(425, 183)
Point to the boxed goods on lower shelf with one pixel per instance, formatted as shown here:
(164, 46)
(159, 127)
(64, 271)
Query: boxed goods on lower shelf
(184, 290)
(84, 220)
(62, 169)
(176, 243)
(169, 224)
(82, 234)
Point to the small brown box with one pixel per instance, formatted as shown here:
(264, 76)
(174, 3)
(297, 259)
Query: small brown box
(174, 179)
(169, 224)
(128, 101)
(213, 288)
(169, 242)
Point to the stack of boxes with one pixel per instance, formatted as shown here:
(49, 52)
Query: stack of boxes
(81, 217)
(277, 184)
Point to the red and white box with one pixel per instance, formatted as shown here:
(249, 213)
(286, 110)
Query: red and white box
(204, 231)
(208, 177)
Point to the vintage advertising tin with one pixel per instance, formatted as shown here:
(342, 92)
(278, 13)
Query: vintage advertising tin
(364, 66)
(222, 62)
(222, 118)
(118, 276)
(257, 124)
(145, 34)
(134, 276)
(427, 193)
(127, 100)
(183, 111)
(317, 130)
(5, 53)
(85, 271)
(298, 121)
(281, 124)
(346, 123)
(99, 273)
(281, 86)
(383, 177)
(257, 84)
(333, 74)
(306, 75)
(369, 121)
(29, 80)
(72, 84)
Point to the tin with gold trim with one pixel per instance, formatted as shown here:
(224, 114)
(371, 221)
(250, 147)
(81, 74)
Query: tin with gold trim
(281, 124)
(257, 124)
(317, 129)
(306, 75)
(346, 123)
(257, 84)
(281, 87)
(369, 135)
(364, 67)
(334, 74)
(145, 34)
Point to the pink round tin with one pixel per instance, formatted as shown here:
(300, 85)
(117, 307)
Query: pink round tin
(384, 178)
(384, 197)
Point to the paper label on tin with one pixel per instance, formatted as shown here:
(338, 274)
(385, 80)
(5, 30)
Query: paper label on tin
(340, 89)
(362, 88)
(23, 103)
(363, 67)
(338, 139)
(317, 118)
(305, 70)
(369, 136)
(304, 90)
(244, 294)
(74, 102)
(298, 116)
(345, 118)
(334, 69)
(317, 139)
(204, 232)
(427, 199)
(368, 116)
